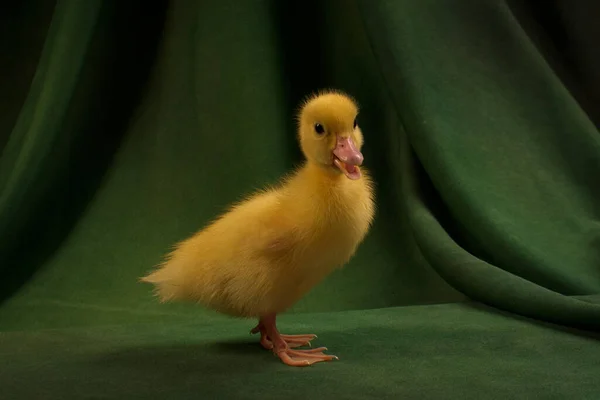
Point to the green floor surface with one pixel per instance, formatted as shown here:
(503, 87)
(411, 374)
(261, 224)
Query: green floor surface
(458, 351)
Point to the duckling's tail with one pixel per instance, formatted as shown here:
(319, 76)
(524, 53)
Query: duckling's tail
(164, 287)
(151, 278)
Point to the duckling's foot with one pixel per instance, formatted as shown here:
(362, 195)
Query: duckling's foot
(283, 345)
(303, 358)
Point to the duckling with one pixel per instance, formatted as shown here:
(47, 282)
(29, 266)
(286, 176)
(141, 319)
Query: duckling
(266, 252)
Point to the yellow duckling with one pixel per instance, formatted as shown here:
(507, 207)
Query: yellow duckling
(266, 252)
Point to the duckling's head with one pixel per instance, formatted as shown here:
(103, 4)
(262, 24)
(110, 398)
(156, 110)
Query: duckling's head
(329, 134)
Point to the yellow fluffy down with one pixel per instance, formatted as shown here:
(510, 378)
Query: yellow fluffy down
(266, 252)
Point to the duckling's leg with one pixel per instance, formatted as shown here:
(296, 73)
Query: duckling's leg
(292, 341)
(280, 346)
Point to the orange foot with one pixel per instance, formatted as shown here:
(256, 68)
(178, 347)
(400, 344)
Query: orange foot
(284, 345)
(303, 358)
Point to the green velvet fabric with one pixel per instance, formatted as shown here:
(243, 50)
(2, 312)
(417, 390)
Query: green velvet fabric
(126, 126)
(450, 351)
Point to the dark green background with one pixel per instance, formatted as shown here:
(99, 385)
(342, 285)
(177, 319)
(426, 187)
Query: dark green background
(125, 126)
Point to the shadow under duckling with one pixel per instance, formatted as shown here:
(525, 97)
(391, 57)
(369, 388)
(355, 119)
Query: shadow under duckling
(259, 258)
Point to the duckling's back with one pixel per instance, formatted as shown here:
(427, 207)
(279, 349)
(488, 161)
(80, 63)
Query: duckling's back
(268, 251)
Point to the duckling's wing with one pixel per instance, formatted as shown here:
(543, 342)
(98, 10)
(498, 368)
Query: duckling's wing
(283, 243)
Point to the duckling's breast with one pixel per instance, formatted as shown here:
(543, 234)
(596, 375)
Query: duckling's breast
(336, 226)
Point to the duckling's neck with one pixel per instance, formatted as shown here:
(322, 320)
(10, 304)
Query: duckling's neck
(311, 179)
(326, 175)
(314, 189)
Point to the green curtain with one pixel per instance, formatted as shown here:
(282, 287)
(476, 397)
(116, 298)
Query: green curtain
(127, 125)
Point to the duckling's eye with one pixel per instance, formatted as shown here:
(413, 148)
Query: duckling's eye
(319, 129)
(355, 123)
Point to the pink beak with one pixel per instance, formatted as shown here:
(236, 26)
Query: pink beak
(347, 157)
(347, 152)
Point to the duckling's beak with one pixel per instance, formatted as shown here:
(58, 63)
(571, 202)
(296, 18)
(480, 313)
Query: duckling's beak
(347, 157)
